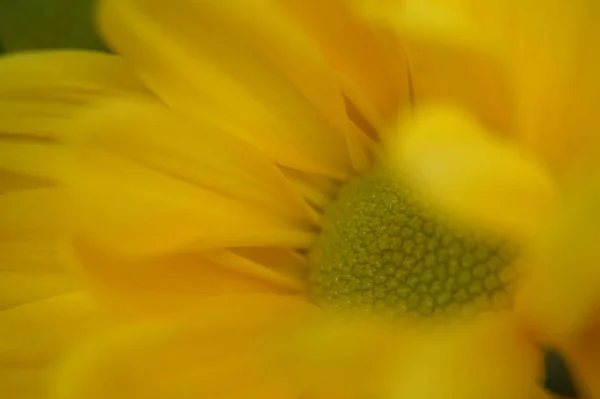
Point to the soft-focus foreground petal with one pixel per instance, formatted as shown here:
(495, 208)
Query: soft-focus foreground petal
(449, 60)
(557, 64)
(469, 174)
(146, 181)
(560, 292)
(244, 67)
(175, 281)
(220, 350)
(341, 357)
(490, 358)
(40, 93)
(550, 48)
(35, 336)
(373, 72)
(582, 351)
(41, 312)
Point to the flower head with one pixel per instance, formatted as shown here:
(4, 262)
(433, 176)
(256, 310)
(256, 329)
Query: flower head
(284, 198)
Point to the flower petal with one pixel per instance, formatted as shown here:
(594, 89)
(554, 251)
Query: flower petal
(41, 91)
(172, 282)
(146, 181)
(31, 271)
(356, 52)
(198, 354)
(583, 353)
(488, 359)
(560, 293)
(557, 62)
(30, 213)
(39, 332)
(258, 77)
(35, 336)
(550, 53)
(450, 60)
(469, 174)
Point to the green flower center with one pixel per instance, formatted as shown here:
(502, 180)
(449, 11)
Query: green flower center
(383, 249)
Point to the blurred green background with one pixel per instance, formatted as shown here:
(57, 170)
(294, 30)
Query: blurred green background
(39, 24)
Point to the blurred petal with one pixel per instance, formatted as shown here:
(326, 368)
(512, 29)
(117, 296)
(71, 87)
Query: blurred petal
(487, 359)
(31, 213)
(550, 51)
(176, 281)
(357, 52)
(558, 60)
(221, 349)
(31, 270)
(35, 336)
(145, 182)
(450, 61)
(40, 92)
(258, 77)
(469, 174)
(39, 159)
(583, 353)
(560, 294)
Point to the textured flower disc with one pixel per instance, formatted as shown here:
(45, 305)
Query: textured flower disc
(383, 249)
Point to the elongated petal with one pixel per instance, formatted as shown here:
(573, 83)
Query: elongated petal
(550, 51)
(462, 168)
(557, 62)
(198, 354)
(561, 290)
(358, 54)
(31, 270)
(258, 77)
(157, 183)
(488, 359)
(40, 91)
(582, 352)
(174, 282)
(450, 59)
(31, 213)
(35, 336)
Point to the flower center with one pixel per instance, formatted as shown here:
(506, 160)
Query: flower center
(383, 249)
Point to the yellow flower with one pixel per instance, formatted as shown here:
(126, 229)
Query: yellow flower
(245, 180)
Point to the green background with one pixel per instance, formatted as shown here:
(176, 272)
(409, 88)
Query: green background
(39, 24)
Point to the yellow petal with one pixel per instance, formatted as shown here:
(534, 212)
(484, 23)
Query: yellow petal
(40, 332)
(557, 60)
(450, 59)
(10, 181)
(550, 51)
(31, 213)
(164, 284)
(560, 292)
(37, 159)
(356, 52)
(41, 91)
(145, 181)
(454, 160)
(582, 352)
(24, 383)
(258, 77)
(488, 359)
(220, 349)
(35, 336)
(31, 271)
